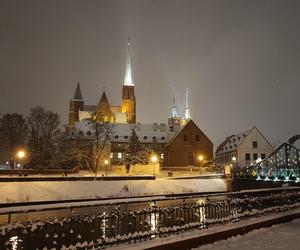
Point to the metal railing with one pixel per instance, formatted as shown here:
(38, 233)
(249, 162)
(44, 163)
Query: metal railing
(129, 226)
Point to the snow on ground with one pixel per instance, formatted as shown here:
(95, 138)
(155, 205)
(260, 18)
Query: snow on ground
(282, 236)
(58, 190)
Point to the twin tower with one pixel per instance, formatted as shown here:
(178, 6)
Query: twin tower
(126, 113)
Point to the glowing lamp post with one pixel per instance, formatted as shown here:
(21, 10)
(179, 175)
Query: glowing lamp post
(105, 165)
(154, 160)
(201, 158)
(21, 155)
(233, 165)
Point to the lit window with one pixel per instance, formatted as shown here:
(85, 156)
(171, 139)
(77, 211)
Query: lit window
(120, 155)
(111, 155)
(162, 155)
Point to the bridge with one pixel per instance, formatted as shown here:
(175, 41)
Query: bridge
(281, 165)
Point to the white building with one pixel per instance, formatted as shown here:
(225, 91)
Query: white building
(243, 149)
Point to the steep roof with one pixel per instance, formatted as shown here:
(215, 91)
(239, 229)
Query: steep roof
(180, 131)
(77, 94)
(103, 98)
(103, 104)
(232, 142)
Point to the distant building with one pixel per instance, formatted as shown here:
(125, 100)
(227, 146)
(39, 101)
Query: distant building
(161, 138)
(190, 147)
(243, 149)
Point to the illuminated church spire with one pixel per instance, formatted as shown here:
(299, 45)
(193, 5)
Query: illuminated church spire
(187, 114)
(128, 81)
(174, 108)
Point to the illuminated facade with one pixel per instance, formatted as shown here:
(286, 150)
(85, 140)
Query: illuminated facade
(125, 113)
(161, 138)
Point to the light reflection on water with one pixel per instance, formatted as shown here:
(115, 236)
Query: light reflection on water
(153, 219)
(201, 211)
(103, 225)
(15, 242)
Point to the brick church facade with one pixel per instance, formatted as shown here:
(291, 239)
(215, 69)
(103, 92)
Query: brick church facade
(179, 143)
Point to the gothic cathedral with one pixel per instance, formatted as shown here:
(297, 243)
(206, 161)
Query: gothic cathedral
(126, 113)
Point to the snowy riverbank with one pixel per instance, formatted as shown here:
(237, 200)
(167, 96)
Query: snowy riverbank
(55, 190)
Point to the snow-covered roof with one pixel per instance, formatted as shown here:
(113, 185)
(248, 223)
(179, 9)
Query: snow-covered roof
(232, 142)
(120, 132)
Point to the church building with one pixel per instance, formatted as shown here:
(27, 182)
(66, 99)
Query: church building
(168, 141)
(104, 111)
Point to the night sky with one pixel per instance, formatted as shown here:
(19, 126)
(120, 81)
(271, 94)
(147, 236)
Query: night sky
(240, 59)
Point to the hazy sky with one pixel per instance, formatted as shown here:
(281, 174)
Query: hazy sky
(240, 59)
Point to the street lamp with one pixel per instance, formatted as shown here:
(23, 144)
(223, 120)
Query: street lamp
(154, 160)
(233, 165)
(21, 155)
(105, 166)
(201, 158)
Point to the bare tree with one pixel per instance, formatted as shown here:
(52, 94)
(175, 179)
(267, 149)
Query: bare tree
(75, 150)
(13, 132)
(44, 128)
(102, 130)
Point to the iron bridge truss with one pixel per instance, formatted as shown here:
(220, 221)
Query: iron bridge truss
(281, 165)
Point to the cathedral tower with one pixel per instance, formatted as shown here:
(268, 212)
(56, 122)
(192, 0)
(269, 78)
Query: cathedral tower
(128, 97)
(174, 119)
(187, 113)
(76, 104)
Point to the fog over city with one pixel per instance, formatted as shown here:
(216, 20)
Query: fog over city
(239, 59)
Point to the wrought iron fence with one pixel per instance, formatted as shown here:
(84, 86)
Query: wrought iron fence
(123, 226)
